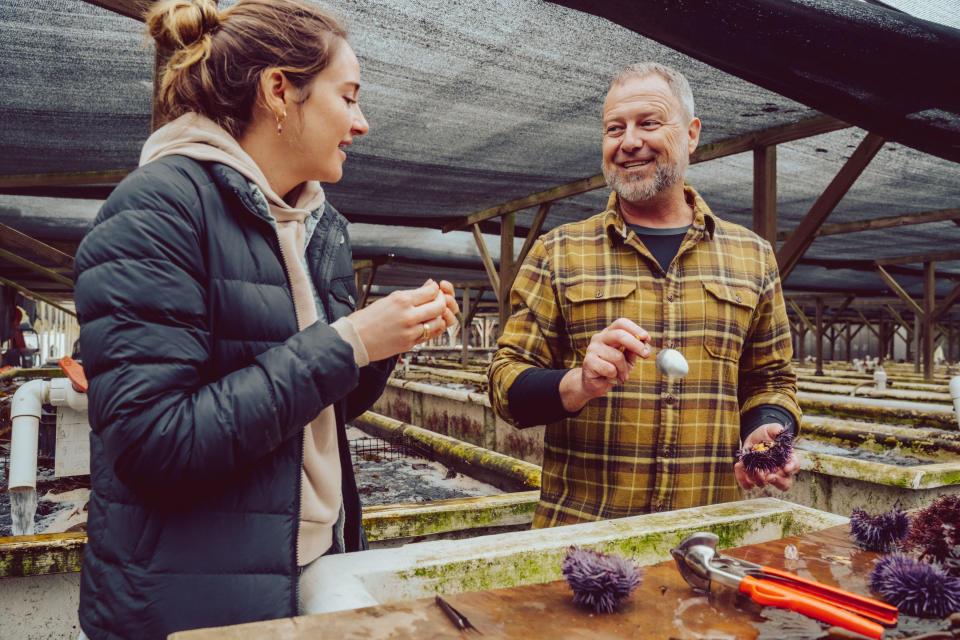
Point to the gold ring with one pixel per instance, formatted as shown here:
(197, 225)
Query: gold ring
(426, 332)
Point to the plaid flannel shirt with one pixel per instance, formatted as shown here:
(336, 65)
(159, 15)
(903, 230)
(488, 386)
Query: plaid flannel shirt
(650, 444)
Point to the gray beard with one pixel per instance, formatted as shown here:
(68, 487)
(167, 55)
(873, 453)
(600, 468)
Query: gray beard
(638, 190)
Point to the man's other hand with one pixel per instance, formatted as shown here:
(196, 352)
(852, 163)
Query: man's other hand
(779, 478)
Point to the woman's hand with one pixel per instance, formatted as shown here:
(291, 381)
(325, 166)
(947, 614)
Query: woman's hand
(396, 323)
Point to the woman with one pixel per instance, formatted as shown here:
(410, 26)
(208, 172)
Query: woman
(215, 293)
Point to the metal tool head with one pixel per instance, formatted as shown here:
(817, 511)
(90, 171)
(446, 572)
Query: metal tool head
(672, 364)
(693, 556)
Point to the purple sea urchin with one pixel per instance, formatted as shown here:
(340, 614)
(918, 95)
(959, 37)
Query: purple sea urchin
(767, 456)
(599, 580)
(880, 532)
(917, 588)
(935, 532)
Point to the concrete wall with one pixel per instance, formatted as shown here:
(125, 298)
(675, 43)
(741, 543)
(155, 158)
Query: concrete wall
(40, 607)
(460, 414)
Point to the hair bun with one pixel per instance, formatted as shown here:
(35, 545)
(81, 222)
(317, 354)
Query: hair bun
(175, 24)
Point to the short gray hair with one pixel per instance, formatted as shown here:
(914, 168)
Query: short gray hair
(674, 79)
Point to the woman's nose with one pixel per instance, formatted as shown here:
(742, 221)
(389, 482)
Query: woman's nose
(360, 125)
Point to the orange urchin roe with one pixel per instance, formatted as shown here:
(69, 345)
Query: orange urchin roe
(762, 446)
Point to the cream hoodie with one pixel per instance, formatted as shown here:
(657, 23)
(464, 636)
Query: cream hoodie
(200, 138)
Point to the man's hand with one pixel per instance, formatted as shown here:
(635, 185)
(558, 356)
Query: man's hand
(779, 478)
(608, 361)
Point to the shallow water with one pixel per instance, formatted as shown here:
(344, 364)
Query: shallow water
(23, 510)
(893, 456)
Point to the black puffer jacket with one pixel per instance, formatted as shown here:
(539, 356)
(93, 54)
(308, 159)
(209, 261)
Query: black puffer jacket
(200, 385)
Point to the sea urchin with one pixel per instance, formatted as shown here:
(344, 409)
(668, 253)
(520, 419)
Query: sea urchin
(917, 588)
(935, 532)
(599, 580)
(880, 532)
(768, 456)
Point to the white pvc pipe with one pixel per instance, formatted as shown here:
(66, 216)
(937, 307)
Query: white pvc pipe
(955, 394)
(25, 410)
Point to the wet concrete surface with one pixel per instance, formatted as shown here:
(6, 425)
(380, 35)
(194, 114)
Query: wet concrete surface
(380, 480)
(890, 456)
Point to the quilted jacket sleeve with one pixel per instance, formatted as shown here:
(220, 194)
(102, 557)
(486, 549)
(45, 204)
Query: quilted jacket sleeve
(141, 299)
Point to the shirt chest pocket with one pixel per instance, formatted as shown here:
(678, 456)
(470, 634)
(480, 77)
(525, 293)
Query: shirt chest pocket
(591, 306)
(727, 318)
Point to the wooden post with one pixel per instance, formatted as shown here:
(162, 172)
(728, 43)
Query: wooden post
(929, 293)
(908, 342)
(506, 266)
(801, 343)
(917, 330)
(765, 193)
(848, 338)
(819, 337)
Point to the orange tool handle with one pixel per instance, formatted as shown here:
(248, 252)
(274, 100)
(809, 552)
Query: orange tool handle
(772, 594)
(75, 374)
(884, 613)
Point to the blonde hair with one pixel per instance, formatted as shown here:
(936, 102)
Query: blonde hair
(217, 56)
(675, 80)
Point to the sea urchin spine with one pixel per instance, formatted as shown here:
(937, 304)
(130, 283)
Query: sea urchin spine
(917, 588)
(880, 532)
(768, 456)
(599, 580)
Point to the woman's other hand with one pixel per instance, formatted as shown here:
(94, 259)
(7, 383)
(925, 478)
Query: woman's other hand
(396, 323)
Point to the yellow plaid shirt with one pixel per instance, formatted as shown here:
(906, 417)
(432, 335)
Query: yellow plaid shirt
(651, 444)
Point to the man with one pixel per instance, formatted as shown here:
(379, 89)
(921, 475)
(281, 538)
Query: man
(656, 269)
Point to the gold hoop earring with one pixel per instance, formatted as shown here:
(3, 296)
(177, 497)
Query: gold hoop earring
(280, 118)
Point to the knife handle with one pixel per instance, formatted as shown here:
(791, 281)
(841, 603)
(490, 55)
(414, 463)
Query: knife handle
(771, 594)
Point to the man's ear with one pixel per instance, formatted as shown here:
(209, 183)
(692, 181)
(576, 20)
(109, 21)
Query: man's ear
(693, 131)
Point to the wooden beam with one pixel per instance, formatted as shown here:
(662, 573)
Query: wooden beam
(819, 337)
(136, 9)
(854, 333)
(36, 296)
(802, 315)
(765, 193)
(487, 261)
(369, 285)
(922, 217)
(943, 256)
(33, 266)
(899, 291)
(556, 193)
(790, 253)
(532, 235)
(10, 237)
(898, 318)
(473, 284)
(946, 303)
(774, 135)
(768, 137)
(62, 179)
(843, 307)
(867, 323)
(507, 272)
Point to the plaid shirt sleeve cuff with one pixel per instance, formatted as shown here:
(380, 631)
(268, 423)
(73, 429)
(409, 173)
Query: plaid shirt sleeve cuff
(534, 397)
(765, 414)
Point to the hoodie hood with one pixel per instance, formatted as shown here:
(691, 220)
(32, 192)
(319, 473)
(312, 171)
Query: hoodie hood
(198, 137)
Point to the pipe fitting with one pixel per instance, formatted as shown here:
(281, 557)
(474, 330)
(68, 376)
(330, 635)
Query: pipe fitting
(63, 394)
(25, 410)
(955, 395)
(880, 379)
